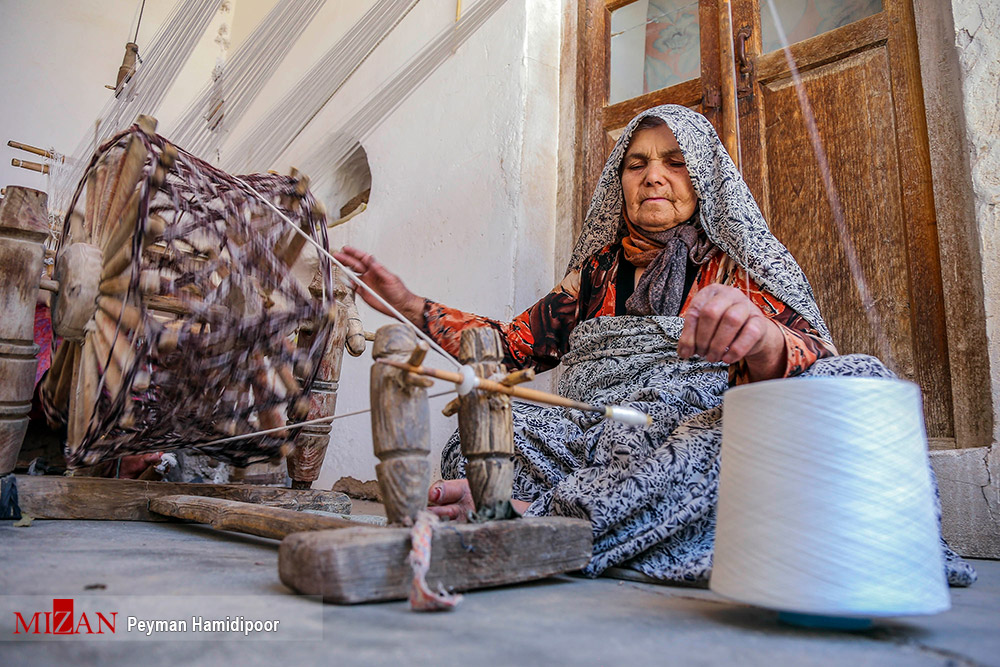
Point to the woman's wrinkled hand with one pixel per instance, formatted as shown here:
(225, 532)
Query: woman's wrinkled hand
(385, 283)
(722, 324)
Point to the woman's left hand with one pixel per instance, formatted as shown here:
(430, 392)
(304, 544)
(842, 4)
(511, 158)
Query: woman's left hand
(722, 324)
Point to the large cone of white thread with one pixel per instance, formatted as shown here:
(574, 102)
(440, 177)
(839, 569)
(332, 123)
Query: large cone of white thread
(825, 500)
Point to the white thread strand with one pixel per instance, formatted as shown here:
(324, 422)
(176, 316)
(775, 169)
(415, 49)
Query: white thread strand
(245, 75)
(825, 499)
(297, 425)
(328, 157)
(161, 63)
(276, 130)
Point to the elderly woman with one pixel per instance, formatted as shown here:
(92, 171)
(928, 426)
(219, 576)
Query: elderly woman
(676, 291)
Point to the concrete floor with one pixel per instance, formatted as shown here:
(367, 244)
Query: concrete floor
(563, 620)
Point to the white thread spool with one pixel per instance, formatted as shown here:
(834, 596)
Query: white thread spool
(825, 501)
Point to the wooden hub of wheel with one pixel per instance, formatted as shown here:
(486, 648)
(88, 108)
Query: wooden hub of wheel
(78, 272)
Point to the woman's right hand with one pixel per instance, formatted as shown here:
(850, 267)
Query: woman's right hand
(385, 283)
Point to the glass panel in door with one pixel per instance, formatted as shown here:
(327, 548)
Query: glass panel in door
(654, 44)
(802, 19)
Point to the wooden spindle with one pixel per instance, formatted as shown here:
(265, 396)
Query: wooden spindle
(486, 427)
(400, 428)
(23, 229)
(34, 150)
(355, 328)
(517, 377)
(30, 166)
(127, 66)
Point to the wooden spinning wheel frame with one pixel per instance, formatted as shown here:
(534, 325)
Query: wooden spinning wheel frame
(178, 308)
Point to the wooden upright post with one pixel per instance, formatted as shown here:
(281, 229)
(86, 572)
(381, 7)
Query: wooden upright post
(23, 229)
(400, 425)
(305, 463)
(486, 428)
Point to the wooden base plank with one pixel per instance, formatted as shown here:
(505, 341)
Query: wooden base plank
(221, 514)
(51, 497)
(354, 565)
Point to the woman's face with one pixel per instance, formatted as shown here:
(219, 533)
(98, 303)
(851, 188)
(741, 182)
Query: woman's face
(655, 181)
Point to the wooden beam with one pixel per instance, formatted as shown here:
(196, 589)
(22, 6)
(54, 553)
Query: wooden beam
(617, 116)
(222, 514)
(485, 427)
(51, 497)
(354, 565)
(400, 427)
(727, 59)
(827, 47)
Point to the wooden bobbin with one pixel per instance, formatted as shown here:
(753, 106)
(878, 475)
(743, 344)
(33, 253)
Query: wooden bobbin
(305, 463)
(486, 428)
(400, 426)
(23, 229)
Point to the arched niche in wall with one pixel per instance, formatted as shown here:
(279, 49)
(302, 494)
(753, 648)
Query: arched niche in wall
(350, 184)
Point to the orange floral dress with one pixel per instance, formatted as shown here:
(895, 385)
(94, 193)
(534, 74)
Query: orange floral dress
(539, 337)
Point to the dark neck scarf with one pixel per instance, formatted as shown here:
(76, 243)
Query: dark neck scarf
(665, 257)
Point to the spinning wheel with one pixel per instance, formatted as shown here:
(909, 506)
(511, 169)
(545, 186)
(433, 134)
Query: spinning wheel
(178, 308)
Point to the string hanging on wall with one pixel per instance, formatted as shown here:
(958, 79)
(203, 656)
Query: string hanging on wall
(141, 93)
(273, 133)
(327, 158)
(224, 100)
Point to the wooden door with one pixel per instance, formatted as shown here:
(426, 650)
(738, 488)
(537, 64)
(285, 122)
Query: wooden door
(836, 155)
(838, 163)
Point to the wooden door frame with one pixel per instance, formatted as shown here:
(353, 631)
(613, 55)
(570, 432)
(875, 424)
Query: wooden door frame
(948, 229)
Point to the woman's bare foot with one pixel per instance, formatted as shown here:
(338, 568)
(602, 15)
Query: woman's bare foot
(452, 499)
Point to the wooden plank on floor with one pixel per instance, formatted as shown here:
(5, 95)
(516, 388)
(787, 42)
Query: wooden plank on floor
(354, 565)
(54, 497)
(222, 514)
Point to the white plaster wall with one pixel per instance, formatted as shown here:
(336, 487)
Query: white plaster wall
(57, 56)
(977, 38)
(464, 172)
(463, 191)
(45, 102)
